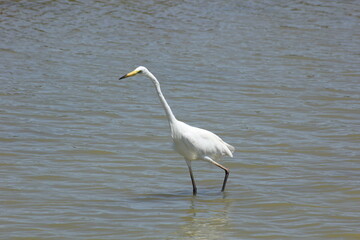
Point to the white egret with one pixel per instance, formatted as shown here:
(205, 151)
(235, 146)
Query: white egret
(191, 142)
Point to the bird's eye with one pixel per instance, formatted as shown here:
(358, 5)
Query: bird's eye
(140, 71)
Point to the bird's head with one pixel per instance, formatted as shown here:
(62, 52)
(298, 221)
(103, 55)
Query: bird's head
(138, 70)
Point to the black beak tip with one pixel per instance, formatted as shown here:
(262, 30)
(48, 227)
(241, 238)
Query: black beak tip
(122, 77)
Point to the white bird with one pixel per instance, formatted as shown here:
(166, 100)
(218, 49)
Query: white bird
(191, 142)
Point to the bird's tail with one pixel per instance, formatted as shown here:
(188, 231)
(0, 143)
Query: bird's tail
(231, 148)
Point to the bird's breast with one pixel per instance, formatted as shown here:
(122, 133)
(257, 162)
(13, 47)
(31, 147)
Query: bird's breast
(184, 149)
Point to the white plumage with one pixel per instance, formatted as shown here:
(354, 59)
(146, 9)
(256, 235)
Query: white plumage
(196, 143)
(191, 142)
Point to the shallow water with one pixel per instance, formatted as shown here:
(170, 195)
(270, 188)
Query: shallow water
(85, 156)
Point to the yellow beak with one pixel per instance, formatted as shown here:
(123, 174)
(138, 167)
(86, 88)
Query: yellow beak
(130, 74)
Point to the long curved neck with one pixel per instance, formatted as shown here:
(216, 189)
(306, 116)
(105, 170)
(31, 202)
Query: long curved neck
(163, 101)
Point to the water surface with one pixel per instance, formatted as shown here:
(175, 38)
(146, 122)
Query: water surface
(85, 156)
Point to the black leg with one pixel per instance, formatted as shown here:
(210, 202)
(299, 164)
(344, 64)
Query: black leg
(222, 167)
(225, 178)
(192, 177)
